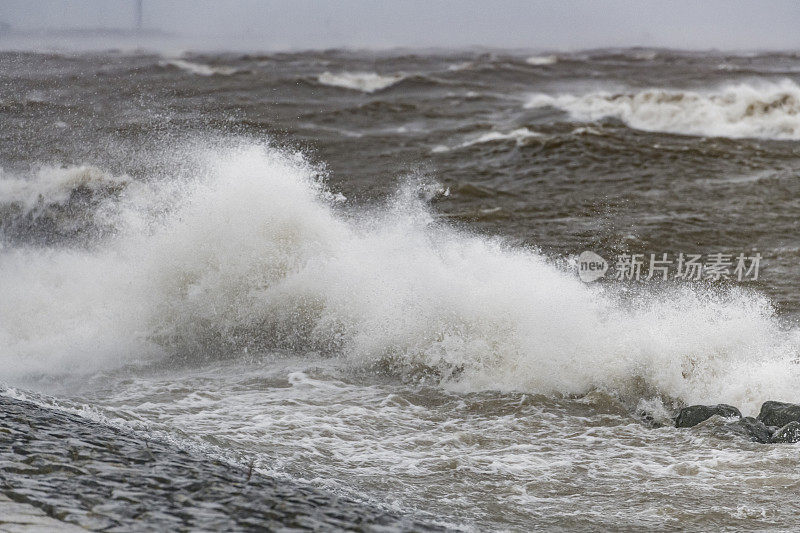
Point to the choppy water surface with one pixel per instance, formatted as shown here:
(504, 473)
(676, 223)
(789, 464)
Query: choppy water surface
(353, 268)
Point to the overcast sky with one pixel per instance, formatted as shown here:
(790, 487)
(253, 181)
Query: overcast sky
(556, 24)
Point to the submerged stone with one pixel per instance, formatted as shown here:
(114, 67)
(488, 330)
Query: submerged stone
(779, 413)
(694, 414)
(789, 433)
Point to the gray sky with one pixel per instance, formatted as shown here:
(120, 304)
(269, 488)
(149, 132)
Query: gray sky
(566, 24)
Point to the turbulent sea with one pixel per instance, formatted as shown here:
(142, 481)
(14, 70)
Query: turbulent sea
(355, 270)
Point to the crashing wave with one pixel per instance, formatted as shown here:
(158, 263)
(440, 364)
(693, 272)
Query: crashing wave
(257, 255)
(765, 110)
(367, 82)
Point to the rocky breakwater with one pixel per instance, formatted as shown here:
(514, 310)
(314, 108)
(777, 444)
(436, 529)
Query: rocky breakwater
(777, 422)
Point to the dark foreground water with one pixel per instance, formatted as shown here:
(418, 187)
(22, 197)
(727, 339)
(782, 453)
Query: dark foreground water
(354, 271)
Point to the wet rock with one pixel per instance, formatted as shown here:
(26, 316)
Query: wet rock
(779, 413)
(790, 433)
(752, 429)
(694, 414)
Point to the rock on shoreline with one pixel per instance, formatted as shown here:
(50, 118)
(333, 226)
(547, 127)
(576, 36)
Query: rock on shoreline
(694, 414)
(779, 413)
(777, 422)
(94, 476)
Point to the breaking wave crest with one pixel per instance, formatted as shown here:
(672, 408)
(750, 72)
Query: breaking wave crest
(53, 185)
(55, 203)
(199, 69)
(519, 135)
(256, 254)
(542, 60)
(764, 110)
(367, 82)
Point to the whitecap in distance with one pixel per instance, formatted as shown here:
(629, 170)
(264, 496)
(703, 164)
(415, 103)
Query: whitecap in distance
(367, 82)
(767, 110)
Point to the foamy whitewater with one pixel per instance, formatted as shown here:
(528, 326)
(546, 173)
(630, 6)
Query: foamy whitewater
(765, 110)
(542, 60)
(367, 82)
(348, 277)
(255, 254)
(198, 69)
(519, 136)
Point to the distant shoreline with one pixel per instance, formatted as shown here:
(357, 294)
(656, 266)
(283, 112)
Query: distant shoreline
(11, 32)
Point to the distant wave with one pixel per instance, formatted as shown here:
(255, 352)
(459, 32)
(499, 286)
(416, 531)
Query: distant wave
(645, 55)
(519, 135)
(464, 65)
(765, 110)
(542, 60)
(367, 82)
(199, 69)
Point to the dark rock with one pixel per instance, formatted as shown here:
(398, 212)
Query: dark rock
(789, 433)
(752, 429)
(779, 413)
(694, 414)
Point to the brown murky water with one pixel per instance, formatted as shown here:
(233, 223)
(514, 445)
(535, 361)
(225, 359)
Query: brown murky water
(356, 268)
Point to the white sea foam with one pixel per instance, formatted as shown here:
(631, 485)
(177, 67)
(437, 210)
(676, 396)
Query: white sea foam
(542, 60)
(645, 55)
(464, 65)
(256, 255)
(519, 135)
(769, 110)
(53, 185)
(199, 69)
(367, 82)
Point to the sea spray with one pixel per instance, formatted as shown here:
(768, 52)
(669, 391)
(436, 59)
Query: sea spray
(256, 254)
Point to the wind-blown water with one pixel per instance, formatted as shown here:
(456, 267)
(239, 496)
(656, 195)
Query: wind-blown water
(256, 254)
(362, 277)
(766, 110)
